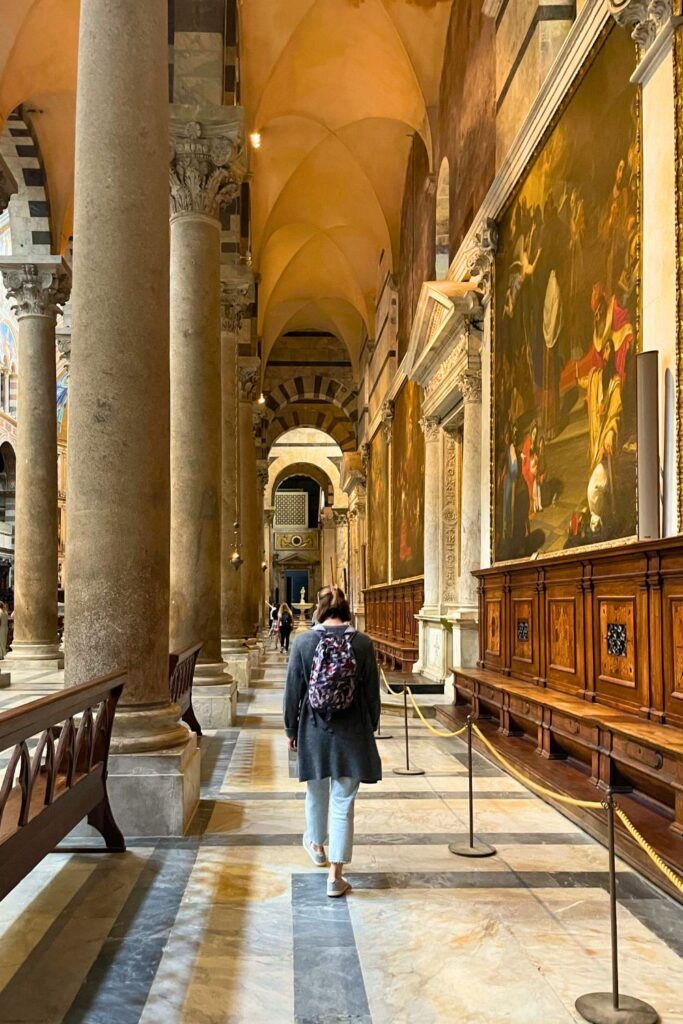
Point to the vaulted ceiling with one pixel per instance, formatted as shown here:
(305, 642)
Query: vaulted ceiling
(337, 89)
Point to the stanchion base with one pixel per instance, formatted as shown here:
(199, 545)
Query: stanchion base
(384, 736)
(479, 849)
(408, 771)
(598, 1008)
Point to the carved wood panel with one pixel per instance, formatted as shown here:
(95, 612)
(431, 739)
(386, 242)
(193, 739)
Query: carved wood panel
(617, 644)
(562, 634)
(493, 627)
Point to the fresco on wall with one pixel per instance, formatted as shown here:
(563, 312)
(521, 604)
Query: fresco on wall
(566, 319)
(408, 468)
(378, 511)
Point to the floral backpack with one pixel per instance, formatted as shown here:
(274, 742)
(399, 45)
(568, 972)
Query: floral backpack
(334, 675)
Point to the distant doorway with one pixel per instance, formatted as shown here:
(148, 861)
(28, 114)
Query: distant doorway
(295, 579)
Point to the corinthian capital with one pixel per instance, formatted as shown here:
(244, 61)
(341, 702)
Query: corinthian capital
(248, 382)
(480, 257)
(206, 168)
(37, 287)
(430, 428)
(469, 384)
(388, 410)
(643, 17)
(234, 304)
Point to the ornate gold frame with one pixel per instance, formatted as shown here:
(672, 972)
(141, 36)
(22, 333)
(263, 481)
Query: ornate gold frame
(514, 191)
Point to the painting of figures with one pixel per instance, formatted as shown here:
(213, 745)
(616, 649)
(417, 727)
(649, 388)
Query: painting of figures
(378, 511)
(566, 325)
(408, 468)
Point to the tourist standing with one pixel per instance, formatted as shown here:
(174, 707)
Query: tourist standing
(331, 712)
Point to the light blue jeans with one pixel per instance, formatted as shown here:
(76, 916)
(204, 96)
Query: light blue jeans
(340, 813)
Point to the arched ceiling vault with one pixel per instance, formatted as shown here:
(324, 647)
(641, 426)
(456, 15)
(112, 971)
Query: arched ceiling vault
(337, 89)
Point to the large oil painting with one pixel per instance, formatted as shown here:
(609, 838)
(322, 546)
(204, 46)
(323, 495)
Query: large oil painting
(408, 469)
(378, 511)
(566, 325)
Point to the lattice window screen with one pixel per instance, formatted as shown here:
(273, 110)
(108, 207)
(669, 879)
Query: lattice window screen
(291, 508)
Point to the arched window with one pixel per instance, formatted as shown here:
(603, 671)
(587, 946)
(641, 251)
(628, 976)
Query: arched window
(442, 221)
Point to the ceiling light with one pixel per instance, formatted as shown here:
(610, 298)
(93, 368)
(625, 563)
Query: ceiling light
(255, 139)
(261, 399)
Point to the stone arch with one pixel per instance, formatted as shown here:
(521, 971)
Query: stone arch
(315, 388)
(443, 216)
(322, 470)
(29, 207)
(334, 422)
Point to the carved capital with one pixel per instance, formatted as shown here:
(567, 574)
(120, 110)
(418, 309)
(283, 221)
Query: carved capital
(469, 384)
(480, 257)
(205, 166)
(37, 288)
(262, 481)
(388, 410)
(431, 428)
(234, 304)
(248, 382)
(63, 334)
(341, 516)
(643, 17)
(365, 456)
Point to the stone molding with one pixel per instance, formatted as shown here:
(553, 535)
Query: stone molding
(38, 287)
(480, 258)
(206, 160)
(450, 522)
(353, 473)
(269, 516)
(248, 382)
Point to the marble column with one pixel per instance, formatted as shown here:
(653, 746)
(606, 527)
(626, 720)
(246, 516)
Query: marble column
(118, 471)
(202, 178)
(341, 522)
(37, 288)
(234, 300)
(432, 483)
(249, 517)
(261, 484)
(470, 509)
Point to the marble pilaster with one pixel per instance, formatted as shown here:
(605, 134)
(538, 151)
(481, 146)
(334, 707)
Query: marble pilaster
(118, 471)
(37, 289)
(249, 374)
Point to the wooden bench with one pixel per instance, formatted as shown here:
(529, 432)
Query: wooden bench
(181, 666)
(396, 654)
(56, 774)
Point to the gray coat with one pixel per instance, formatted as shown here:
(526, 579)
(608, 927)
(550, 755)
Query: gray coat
(347, 747)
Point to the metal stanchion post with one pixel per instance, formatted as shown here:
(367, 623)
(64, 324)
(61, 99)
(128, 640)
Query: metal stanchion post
(407, 770)
(611, 1007)
(379, 735)
(475, 848)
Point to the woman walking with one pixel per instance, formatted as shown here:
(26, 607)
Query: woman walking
(285, 624)
(4, 628)
(331, 712)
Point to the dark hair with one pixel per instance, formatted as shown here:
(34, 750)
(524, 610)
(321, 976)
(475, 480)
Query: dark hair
(332, 604)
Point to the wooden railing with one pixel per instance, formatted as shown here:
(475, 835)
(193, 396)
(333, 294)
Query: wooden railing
(56, 774)
(181, 666)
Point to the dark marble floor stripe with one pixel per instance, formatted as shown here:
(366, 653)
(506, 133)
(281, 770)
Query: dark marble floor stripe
(481, 768)
(328, 981)
(370, 839)
(629, 885)
(217, 752)
(119, 982)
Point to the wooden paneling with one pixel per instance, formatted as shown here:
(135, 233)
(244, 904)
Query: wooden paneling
(390, 619)
(603, 625)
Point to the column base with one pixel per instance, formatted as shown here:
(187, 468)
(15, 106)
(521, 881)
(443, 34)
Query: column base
(240, 661)
(154, 793)
(215, 705)
(147, 729)
(5, 680)
(37, 656)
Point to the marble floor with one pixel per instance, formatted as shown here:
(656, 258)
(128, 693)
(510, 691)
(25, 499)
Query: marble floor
(231, 923)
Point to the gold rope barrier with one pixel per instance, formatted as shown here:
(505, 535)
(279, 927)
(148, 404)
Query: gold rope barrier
(594, 804)
(437, 732)
(652, 854)
(394, 693)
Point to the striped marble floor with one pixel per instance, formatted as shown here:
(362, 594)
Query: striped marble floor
(231, 923)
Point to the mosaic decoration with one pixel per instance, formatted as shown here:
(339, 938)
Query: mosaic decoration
(567, 286)
(408, 470)
(616, 639)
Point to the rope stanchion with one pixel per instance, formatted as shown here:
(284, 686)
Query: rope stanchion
(612, 1007)
(437, 732)
(379, 735)
(475, 847)
(407, 770)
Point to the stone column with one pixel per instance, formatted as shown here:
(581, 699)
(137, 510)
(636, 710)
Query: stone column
(235, 300)
(433, 435)
(118, 472)
(203, 175)
(328, 545)
(470, 511)
(37, 288)
(261, 484)
(341, 522)
(249, 517)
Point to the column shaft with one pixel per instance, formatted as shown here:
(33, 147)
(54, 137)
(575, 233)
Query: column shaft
(470, 530)
(231, 586)
(249, 520)
(195, 434)
(118, 472)
(432, 512)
